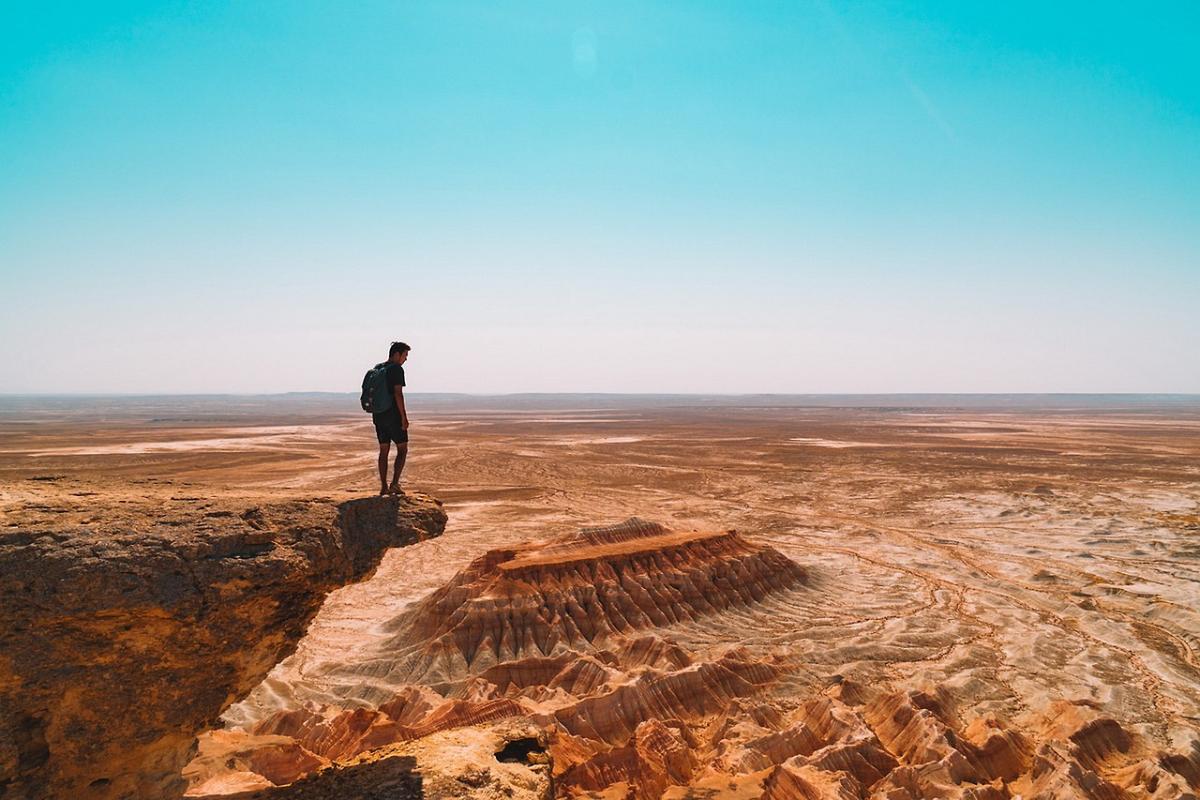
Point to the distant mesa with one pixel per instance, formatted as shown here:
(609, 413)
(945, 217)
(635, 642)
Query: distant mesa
(577, 591)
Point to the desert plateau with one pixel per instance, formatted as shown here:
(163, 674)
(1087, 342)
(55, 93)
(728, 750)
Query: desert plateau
(894, 598)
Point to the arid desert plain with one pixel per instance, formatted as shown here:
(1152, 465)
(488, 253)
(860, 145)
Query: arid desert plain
(684, 597)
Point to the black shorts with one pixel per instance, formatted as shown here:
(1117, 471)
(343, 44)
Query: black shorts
(388, 427)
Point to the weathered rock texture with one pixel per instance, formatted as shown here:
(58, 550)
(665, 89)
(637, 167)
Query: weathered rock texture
(387, 777)
(580, 638)
(124, 637)
(550, 634)
(506, 760)
(577, 591)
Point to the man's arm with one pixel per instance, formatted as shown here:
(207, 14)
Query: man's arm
(398, 394)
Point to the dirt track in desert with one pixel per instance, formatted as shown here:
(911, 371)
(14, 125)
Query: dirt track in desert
(1013, 562)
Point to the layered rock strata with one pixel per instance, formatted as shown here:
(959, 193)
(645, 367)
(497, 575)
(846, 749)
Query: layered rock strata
(549, 633)
(848, 742)
(125, 636)
(853, 742)
(576, 592)
(609, 641)
(603, 698)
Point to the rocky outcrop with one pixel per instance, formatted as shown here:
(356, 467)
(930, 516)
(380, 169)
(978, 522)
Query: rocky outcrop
(609, 642)
(608, 711)
(385, 777)
(576, 592)
(124, 637)
(911, 746)
(506, 760)
(551, 634)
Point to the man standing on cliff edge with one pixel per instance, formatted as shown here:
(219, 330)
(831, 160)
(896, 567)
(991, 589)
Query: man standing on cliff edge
(391, 424)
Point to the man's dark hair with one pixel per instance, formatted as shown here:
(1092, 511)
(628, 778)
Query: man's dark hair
(398, 347)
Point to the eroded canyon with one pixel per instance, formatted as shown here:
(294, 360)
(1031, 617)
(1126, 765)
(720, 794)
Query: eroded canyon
(916, 599)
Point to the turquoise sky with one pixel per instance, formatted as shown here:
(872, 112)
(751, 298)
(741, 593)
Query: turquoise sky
(565, 196)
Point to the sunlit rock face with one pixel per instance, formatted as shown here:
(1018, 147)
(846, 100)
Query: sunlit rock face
(559, 633)
(578, 592)
(620, 646)
(126, 636)
(506, 760)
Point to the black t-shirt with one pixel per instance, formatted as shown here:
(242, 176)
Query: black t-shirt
(395, 377)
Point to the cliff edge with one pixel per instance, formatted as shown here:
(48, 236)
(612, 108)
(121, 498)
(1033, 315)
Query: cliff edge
(125, 636)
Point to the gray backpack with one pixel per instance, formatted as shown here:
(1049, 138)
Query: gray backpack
(375, 396)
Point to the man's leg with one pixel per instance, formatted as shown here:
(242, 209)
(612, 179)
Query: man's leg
(384, 447)
(401, 454)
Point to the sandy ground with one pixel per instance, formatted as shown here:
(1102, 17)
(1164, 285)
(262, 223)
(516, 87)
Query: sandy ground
(1013, 556)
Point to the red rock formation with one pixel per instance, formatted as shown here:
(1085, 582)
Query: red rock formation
(272, 760)
(348, 733)
(692, 692)
(611, 715)
(125, 638)
(658, 754)
(573, 636)
(392, 776)
(578, 591)
(503, 760)
(918, 729)
(907, 746)
(798, 782)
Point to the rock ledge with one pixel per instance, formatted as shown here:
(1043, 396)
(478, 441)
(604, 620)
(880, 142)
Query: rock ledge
(125, 637)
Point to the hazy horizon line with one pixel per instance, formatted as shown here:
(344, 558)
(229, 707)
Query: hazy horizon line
(614, 394)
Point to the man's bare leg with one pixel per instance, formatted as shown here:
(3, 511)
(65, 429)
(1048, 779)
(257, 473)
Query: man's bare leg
(383, 459)
(401, 453)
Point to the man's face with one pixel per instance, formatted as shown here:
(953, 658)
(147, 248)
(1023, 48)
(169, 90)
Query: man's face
(400, 358)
